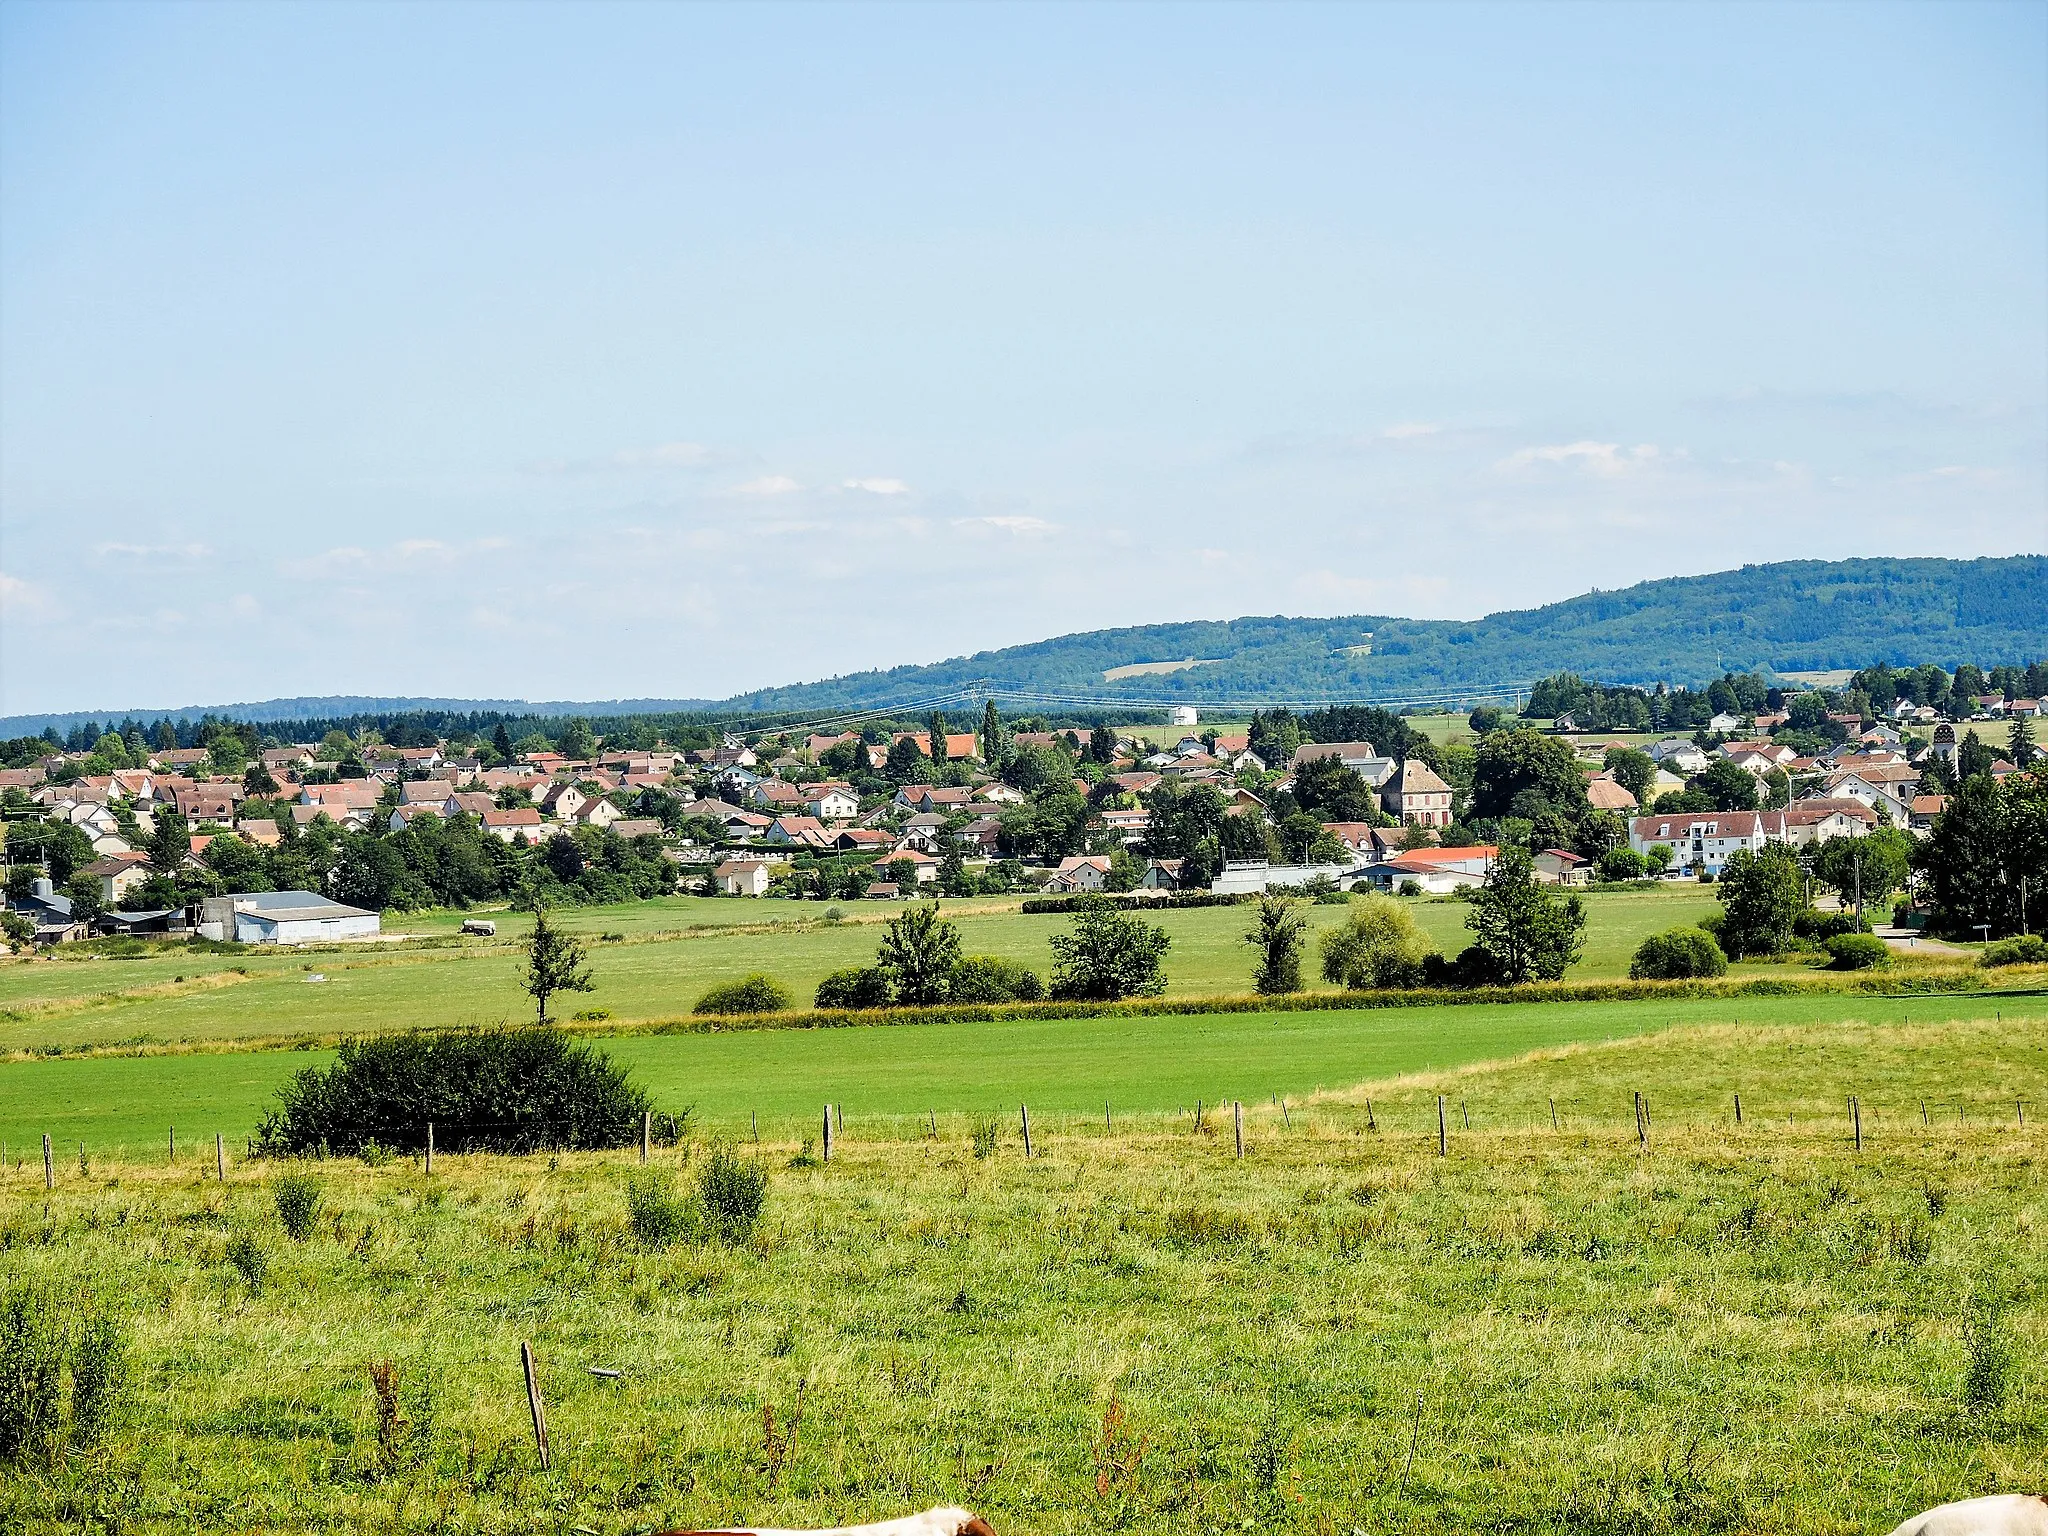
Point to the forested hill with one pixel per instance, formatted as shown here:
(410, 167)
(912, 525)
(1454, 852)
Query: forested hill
(1798, 616)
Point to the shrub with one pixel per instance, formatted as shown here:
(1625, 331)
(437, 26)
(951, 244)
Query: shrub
(1990, 1363)
(1472, 967)
(733, 1190)
(2031, 949)
(1377, 945)
(99, 1374)
(1858, 952)
(31, 1371)
(249, 1259)
(750, 994)
(1109, 955)
(1276, 933)
(297, 1196)
(1822, 926)
(993, 979)
(860, 986)
(986, 1134)
(513, 1090)
(654, 1211)
(1674, 956)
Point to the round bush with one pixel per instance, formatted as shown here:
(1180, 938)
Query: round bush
(992, 979)
(1679, 955)
(1858, 952)
(1823, 926)
(2030, 949)
(750, 994)
(732, 1190)
(859, 986)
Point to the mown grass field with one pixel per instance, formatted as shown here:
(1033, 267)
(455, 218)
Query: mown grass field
(666, 955)
(1753, 1329)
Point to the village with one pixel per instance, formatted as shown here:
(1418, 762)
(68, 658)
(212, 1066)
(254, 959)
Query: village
(205, 839)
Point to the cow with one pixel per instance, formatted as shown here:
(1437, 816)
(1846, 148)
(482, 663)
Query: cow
(2001, 1514)
(951, 1520)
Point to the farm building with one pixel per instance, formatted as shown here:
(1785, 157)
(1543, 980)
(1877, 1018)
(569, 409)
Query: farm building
(285, 917)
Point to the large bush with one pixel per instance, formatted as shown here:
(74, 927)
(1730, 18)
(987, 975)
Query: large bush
(1377, 945)
(1108, 955)
(1677, 955)
(2030, 949)
(1858, 952)
(859, 986)
(750, 994)
(512, 1090)
(993, 979)
(732, 1190)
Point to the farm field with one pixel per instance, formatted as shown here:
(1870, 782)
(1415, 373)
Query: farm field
(1736, 1329)
(883, 1077)
(668, 953)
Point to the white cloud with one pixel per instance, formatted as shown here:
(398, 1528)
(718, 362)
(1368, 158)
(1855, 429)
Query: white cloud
(1021, 527)
(408, 548)
(243, 605)
(194, 551)
(1407, 429)
(767, 485)
(877, 487)
(1606, 460)
(25, 600)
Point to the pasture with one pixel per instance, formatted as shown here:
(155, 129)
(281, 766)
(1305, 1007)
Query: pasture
(1728, 1329)
(651, 960)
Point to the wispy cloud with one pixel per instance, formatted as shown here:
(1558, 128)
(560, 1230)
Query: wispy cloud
(767, 485)
(1606, 460)
(877, 487)
(114, 549)
(1407, 429)
(26, 600)
(1017, 526)
(663, 456)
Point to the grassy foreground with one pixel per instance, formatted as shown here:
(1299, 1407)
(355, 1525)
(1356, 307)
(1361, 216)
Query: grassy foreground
(1738, 1329)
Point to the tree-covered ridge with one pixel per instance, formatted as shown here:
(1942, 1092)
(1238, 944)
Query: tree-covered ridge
(1795, 616)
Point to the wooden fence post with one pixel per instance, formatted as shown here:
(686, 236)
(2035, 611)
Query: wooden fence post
(1024, 1114)
(1738, 1109)
(646, 1133)
(1642, 1123)
(1443, 1130)
(1923, 1114)
(828, 1133)
(220, 1157)
(540, 1417)
(1553, 1113)
(1370, 1123)
(1285, 1118)
(1237, 1124)
(1465, 1114)
(430, 1146)
(1108, 1127)
(49, 1164)
(1856, 1121)
(757, 1126)
(174, 1144)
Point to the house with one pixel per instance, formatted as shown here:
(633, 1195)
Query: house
(1358, 837)
(468, 803)
(287, 759)
(1818, 818)
(1003, 794)
(960, 745)
(351, 794)
(981, 834)
(560, 802)
(742, 877)
(860, 840)
(1723, 723)
(1131, 825)
(630, 827)
(1160, 875)
(1887, 789)
(1560, 866)
(1080, 872)
(772, 795)
(1924, 809)
(928, 797)
(260, 831)
(1356, 755)
(831, 802)
(1679, 755)
(404, 816)
(744, 826)
(805, 830)
(1603, 793)
(505, 826)
(180, 757)
(923, 832)
(599, 813)
(50, 912)
(1135, 783)
(434, 792)
(1436, 871)
(1418, 796)
(926, 866)
(1778, 753)
(2028, 709)
(118, 874)
(285, 917)
(207, 802)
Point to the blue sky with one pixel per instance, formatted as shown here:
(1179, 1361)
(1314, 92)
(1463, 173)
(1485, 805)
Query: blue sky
(595, 352)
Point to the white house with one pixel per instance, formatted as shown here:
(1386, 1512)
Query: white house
(833, 804)
(1082, 872)
(286, 917)
(1437, 871)
(1679, 755)
(742, 877)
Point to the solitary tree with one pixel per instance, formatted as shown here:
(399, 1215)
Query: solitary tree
(918, 951)
(991, 736)
(2019, 745)
(501, 742)
(936, 729)
(1276, 933)
(1109, 955)
(1761, 898)
(554, 963)
(1531, 932)
(1870, 867)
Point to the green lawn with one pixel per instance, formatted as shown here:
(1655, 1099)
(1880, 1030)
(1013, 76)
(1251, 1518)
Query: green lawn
(1061, 1066)
(658, 970)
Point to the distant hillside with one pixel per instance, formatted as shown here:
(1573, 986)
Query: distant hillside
(1802, 615)
(1799, 616)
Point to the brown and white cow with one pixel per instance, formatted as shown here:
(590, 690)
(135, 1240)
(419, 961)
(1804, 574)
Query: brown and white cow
(2002, 1514)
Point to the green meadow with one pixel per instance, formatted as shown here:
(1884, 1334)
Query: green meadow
(1733, 1328)
(651, 960)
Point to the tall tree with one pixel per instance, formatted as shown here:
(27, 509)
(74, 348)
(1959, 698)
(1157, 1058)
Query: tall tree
(1761, 897)
(2020, 750)
(1531, 932)
(992, 752)
(501, 743)
(936, 730)
(1276, 933)
(1523, 771)
(554, 963)
(919, 950)
(1108, 955)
